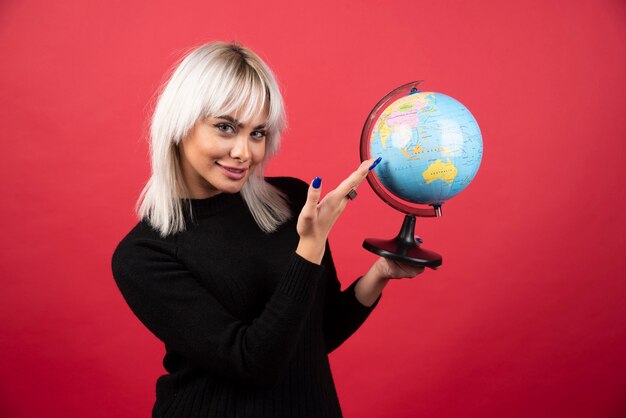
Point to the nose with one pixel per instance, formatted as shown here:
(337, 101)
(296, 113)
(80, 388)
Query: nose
(240, 150)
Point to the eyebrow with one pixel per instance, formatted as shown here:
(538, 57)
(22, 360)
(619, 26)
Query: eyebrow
(239, 124)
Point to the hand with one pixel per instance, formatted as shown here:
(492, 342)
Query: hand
(390, 269)
(369, 287)
(318, 217)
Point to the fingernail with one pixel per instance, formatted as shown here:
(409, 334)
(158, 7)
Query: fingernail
(317, 182)
(375, 163)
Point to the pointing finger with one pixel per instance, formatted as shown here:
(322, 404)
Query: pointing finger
(354, 179)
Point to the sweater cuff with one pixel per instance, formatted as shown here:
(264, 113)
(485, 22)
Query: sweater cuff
(358, 306)
(300, 278)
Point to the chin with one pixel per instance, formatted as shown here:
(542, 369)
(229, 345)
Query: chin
(233, 188)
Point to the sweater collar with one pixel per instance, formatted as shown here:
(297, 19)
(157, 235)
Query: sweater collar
(212, 205)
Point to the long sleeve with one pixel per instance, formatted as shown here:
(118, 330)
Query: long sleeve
(171, 303)
(343, 313)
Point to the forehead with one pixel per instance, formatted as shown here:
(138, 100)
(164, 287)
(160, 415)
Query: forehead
(244, 120)
(247, 102)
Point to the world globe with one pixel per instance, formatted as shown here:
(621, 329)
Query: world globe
(431, 149)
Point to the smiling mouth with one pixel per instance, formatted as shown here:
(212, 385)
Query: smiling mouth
(233, 173)
(233, 170)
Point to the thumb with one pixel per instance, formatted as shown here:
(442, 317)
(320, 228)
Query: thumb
(313, 197)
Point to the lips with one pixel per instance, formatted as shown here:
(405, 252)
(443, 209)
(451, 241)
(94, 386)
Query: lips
(233, 172)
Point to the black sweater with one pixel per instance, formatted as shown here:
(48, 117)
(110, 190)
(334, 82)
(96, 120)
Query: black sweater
(246, 322)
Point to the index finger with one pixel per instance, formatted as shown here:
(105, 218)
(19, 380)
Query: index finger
(354, 179)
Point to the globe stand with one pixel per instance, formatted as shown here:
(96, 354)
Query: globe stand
(405, 247)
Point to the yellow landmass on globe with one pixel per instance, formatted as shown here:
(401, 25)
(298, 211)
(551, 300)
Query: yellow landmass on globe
(384, 130)
(416, 150)
(440, 171)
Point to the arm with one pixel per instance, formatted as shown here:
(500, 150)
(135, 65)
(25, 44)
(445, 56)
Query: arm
(343, 313)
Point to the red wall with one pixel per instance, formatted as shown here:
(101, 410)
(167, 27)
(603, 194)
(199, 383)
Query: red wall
(525, 319)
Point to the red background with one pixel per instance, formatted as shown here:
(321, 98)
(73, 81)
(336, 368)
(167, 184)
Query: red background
(526, 318)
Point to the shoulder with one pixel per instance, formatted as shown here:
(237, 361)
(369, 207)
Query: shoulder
(288, 184)
(143, 245)
(294, 189)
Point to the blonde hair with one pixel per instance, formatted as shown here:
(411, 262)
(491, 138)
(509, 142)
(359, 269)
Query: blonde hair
(214, 79)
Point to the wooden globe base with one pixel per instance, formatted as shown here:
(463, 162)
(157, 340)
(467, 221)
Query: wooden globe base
(404, 248)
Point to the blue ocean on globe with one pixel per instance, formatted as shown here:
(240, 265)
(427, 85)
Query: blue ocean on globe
(431, 147)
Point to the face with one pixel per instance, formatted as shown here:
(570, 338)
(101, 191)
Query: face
(220, 153)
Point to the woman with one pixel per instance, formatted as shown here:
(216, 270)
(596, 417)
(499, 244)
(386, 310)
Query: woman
(230, 270)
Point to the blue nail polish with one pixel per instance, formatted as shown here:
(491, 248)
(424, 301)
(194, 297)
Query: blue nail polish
(375, 163)
(317, 182)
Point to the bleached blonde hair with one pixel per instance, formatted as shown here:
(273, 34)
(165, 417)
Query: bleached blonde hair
(214, 79)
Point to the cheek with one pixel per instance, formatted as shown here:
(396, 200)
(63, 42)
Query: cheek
(258, 150)
(212, 150)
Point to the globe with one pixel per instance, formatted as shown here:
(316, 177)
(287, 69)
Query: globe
(431, 149)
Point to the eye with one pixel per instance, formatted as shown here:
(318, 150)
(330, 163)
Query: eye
(258, 135)
(225, 128)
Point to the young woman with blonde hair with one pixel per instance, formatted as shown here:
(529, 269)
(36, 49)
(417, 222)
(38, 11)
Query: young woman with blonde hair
(231, 270)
